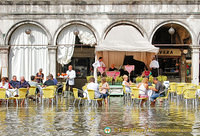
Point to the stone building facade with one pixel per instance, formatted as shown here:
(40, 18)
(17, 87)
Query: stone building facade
(99, 16)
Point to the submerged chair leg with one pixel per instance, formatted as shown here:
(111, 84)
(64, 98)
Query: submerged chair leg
(79, 102)
(74, 102)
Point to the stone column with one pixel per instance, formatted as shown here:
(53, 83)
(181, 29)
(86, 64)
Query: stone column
(4, 50)
(52, 60)
(195, 64)
(183, 67)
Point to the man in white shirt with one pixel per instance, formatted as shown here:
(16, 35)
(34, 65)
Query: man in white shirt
(99, 63)
(71, 75)
(94, 86)
(154, 65)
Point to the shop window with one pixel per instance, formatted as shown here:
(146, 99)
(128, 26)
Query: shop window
(170, 67)
(82, 60)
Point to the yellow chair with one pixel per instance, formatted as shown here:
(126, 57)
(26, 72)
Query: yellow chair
(22, 95)
(135, 95)
(64, 87)
(3, 95)
(48, 93)
(190, 94)
(172, 88)
(125, 93)
(165, 98)
(75, 92)
(54, 87)
(133, 85)
(32, 90)
(179, 90)
(84, 87)
(91, 94)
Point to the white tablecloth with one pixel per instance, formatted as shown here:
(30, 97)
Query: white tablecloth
(11, 92)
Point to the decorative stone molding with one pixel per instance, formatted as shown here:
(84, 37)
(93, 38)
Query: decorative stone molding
(4, 49)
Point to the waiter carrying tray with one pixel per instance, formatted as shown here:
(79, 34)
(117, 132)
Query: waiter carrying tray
(71, 75)
(154, 65)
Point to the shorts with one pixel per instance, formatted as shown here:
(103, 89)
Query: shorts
(104, 96)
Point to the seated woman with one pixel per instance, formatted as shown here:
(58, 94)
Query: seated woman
(143, 88)
(126, 84)
(104, 89)
(4, 84)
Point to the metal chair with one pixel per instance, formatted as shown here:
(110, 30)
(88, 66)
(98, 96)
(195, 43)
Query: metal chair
(75, 92)
(91, 94)
(190, 94)
(135, 95)
(48, 93)
(3, 95)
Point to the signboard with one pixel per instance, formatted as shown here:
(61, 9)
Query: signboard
(169, 52)
(101, 69)
(113, 74)
(129, 68)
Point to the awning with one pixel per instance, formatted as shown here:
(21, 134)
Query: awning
(126, 38)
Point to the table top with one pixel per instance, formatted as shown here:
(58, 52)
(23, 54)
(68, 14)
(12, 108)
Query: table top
(115, 86)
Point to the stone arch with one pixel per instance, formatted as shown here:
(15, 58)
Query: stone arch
(26, 22)
(172, 22)
(124, 22)
(74, 22)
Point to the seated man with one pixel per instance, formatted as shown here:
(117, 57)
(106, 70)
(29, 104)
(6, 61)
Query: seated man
(48, 82)
(14, 82)
(34, 84)
(157, 90)
(94, 86)
(112, 68)
(54, 79)
(23, 84)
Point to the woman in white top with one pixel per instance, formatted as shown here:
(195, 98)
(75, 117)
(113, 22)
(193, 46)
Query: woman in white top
(143, 88)
(126, 84)
(104, 87)
(3, 83)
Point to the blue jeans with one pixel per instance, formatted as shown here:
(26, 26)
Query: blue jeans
(154, 96)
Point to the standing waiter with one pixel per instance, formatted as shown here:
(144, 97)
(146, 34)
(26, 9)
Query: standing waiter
(154, 65)
(71, 74)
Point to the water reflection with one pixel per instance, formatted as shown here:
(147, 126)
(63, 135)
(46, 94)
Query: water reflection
(123, 119)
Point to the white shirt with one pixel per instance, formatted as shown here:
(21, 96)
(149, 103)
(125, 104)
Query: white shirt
(98, 64)
(4, 86)
(154, 64)
(142, 90)
(71, 74)
(95, 87)
(102, 64)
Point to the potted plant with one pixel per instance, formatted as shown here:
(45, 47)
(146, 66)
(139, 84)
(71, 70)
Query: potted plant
(109, 80)
(151, 79)
(99, 79)
(139, 79)
(118, 80)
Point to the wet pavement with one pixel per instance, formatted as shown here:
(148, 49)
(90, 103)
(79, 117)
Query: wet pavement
(122, 119)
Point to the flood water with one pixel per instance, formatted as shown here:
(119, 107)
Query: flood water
(123, 119)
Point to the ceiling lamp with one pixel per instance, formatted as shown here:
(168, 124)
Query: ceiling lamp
(28, 31)
(76, 31)
(171, 31)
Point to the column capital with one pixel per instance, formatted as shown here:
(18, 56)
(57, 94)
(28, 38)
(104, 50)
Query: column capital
(195, 46)
(51, 47)
(4, 49)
